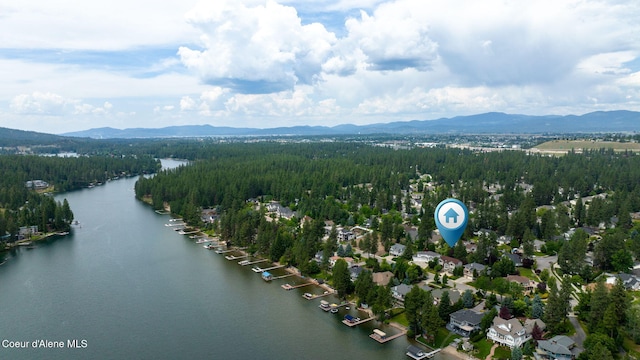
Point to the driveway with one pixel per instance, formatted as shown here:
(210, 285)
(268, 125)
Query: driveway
(580, 335)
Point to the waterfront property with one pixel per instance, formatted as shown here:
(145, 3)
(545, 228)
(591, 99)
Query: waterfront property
(465, 321)
(416, 353)
(509, 333)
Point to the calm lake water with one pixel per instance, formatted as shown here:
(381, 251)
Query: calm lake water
(125, 286)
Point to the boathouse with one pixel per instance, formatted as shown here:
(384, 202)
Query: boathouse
(266, 276)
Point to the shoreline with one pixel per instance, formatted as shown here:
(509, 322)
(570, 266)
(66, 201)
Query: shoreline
(29, 242)
(454, 354)
(447, 351)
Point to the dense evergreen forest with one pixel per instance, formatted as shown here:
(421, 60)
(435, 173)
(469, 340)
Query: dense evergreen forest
(349, 182)
(23, 206)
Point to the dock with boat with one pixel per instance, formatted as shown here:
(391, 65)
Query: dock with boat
(382, 337)
(351, 321)
(416, 353)
(233, 257)
(247, 262)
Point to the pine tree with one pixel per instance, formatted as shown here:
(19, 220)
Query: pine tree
(537, 307)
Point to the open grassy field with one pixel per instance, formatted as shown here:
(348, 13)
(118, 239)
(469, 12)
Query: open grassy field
(563, 146)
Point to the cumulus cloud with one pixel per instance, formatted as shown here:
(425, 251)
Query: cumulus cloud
(393, 38)
(42, 103)
(255, 49)
(47, 103)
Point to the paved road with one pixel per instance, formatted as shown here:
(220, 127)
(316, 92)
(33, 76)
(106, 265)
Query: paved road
(580, 335)
(544, 262)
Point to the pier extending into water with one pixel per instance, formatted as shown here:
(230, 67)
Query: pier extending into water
(382, 338)
(247, 262)
(282, 276)
(356, 323)
(220, 251)
(260, 270)
(291, 287)
(233, 257)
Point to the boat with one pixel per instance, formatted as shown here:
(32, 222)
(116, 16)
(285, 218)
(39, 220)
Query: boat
(324, 305)
(209, 246)
(266, 276)
(334, 310)
(307, 296)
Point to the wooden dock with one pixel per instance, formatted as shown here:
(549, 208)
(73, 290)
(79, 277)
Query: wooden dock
(418, 354)
(259, 269)
(291, 287)
(220, 251)
(383, 339)
(315, 296)
(282, 276)
(233, 257)
(246, 262)
(356, 323)
(176, 224)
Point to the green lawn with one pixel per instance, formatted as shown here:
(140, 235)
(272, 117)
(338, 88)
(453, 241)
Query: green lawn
(529, 274)
(444, 337)
(502, 352)
(483, 347)
(399, 317)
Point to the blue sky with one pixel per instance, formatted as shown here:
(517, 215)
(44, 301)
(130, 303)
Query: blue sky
(71, 65)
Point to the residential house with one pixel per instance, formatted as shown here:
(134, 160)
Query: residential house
(509, 333)
(279, 210)
(537, 244)
(470, 268)
(517, 259)
(397, 249)
(558, 347)
(425, 287)
(425, 256)
(471, 247)
(411, 231)
(530, 323)
(333, 259)
(465, 321)
(505, 240)
(454, 295)
(346, 235)
(26, 231)
(527, 284)
(209, 215)
(448, 263)
(630, 282)
(354, 272)
(382, 278)
(400, 291)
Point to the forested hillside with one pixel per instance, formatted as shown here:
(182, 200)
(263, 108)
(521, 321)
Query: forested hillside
(21, 205)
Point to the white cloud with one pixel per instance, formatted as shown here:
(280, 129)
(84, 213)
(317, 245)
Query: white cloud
(277, 63)
(255, 49)
(44, 103)
(47, 103)
(106, 25)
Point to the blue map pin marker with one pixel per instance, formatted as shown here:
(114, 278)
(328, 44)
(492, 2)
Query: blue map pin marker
(451, 218)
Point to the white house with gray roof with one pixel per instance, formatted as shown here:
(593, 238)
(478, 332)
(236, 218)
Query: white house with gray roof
(509, 333)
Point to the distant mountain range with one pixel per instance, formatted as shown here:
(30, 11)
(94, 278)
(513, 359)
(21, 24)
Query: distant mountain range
(497, 123)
